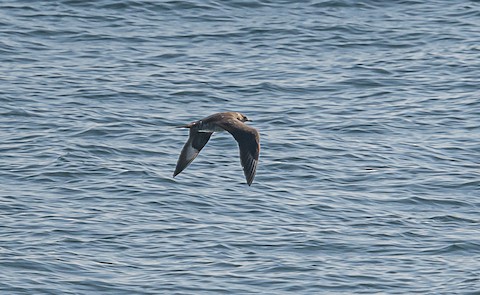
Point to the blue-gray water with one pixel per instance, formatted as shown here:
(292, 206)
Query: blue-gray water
(369, 173)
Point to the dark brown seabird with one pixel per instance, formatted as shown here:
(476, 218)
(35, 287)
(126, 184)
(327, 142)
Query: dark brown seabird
(200, 131)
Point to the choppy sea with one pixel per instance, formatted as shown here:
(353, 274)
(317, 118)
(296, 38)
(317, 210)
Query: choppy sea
(369, 173)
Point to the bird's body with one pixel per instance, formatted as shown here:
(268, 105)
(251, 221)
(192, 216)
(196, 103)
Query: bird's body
(200, 132)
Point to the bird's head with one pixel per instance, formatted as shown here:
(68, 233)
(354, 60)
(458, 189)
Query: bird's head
(241, 117)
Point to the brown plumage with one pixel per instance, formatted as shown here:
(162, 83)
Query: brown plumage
(200, 131)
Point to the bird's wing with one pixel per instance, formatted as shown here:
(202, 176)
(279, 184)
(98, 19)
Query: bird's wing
(249, 143)
(195, 143)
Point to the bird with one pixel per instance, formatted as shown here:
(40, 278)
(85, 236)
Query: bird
(247, 137)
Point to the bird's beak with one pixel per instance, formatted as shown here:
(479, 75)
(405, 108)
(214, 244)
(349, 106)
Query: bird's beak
(248, 120)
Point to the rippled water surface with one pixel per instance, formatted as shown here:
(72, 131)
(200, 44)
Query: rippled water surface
(369, 173)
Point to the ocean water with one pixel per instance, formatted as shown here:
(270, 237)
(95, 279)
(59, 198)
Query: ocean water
(369, 172)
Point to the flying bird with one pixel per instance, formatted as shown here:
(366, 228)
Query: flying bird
(200, 131)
